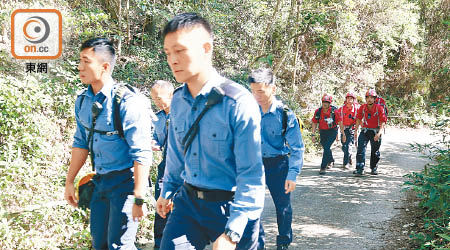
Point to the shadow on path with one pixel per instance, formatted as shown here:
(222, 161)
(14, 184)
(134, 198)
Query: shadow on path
(339, 211)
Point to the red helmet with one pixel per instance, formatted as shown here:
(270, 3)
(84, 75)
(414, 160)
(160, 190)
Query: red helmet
(351, 94)
(327, 98)
(371, 92)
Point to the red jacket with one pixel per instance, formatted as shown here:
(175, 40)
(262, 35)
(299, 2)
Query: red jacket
(325, 115)
(346, 115)
(371, 118)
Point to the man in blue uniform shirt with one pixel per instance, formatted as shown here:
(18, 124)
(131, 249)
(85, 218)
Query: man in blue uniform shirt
(121, 164)
(161, 93)
(282, 148)
(219, 176)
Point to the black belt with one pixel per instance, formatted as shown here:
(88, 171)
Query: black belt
(335, 128)
(208, 194)
(278, 157)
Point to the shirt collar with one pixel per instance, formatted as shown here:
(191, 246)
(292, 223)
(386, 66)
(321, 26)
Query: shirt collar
(106, 89)
(273, 107)
(215, 80)
(275, 104)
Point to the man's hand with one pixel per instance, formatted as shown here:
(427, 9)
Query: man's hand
(337, 137)
(314, 138)
(163, 206)
(223, 243)
(138, 212)
(69, 195)
(356, 139)
(289, 186)
(377, 137)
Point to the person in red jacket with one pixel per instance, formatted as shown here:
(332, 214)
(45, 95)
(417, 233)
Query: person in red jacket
(347, 115)
(326, 119)
(372, 119)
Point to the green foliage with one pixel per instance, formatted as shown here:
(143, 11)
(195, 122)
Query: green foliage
(432, 186)
(315, 47)
(410, 111)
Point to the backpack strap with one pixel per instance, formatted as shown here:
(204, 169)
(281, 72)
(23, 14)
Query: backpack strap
(214, 97)
(120, 93)
(318, 114)
(284, 119)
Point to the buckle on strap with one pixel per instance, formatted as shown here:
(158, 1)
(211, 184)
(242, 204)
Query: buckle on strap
(112, 133)
(200, 194)
(375, 130)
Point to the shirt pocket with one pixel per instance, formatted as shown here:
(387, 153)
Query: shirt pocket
(273, 134)
(273, 130)
(215, 139)
(180, 131)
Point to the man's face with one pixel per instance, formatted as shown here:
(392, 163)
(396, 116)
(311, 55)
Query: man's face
(325, 105)
(91, 66)
(370, 100)
(161, 96)
(350, 99)
(188, 52)
(262, 92)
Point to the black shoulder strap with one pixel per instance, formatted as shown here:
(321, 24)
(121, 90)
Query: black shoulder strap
(121, 89)
(215, 96)
(318, 114)
(284, 119)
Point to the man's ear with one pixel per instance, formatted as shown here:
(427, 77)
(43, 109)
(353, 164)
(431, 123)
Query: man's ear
(106, 66)
(274, 88)
(208, 47)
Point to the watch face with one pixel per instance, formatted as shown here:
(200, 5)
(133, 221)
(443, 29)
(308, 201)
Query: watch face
(138, 201)
(234, 237)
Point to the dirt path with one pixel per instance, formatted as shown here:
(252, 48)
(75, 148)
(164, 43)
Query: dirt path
(339, 211)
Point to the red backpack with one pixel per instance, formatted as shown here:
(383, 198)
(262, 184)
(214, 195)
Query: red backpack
(380, 101)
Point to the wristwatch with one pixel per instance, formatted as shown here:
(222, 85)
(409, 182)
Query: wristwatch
(139, 201)
(232, 235)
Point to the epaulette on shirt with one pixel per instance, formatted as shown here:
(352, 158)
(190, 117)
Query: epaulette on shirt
(82, 91)
(233, 90)
(155, 117)
(159, 112)
(177, 89)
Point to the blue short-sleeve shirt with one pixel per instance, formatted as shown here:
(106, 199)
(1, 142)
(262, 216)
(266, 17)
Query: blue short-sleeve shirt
(275, 144)
(226, 152)
(112, 153)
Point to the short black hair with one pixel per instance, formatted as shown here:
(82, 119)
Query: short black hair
(261, 75)
(186, 20)
(104, 47)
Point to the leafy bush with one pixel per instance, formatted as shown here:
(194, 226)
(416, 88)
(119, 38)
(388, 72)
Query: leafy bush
(432, 186)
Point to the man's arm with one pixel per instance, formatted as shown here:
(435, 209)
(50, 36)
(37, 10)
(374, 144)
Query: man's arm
(250, 182)
(174, 162)
(78, 158)
(383, 120)
(136, 120)
(297, 148)
(314, 126)
(140, 185)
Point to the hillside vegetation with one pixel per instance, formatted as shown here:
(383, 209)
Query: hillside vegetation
(400, 47)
